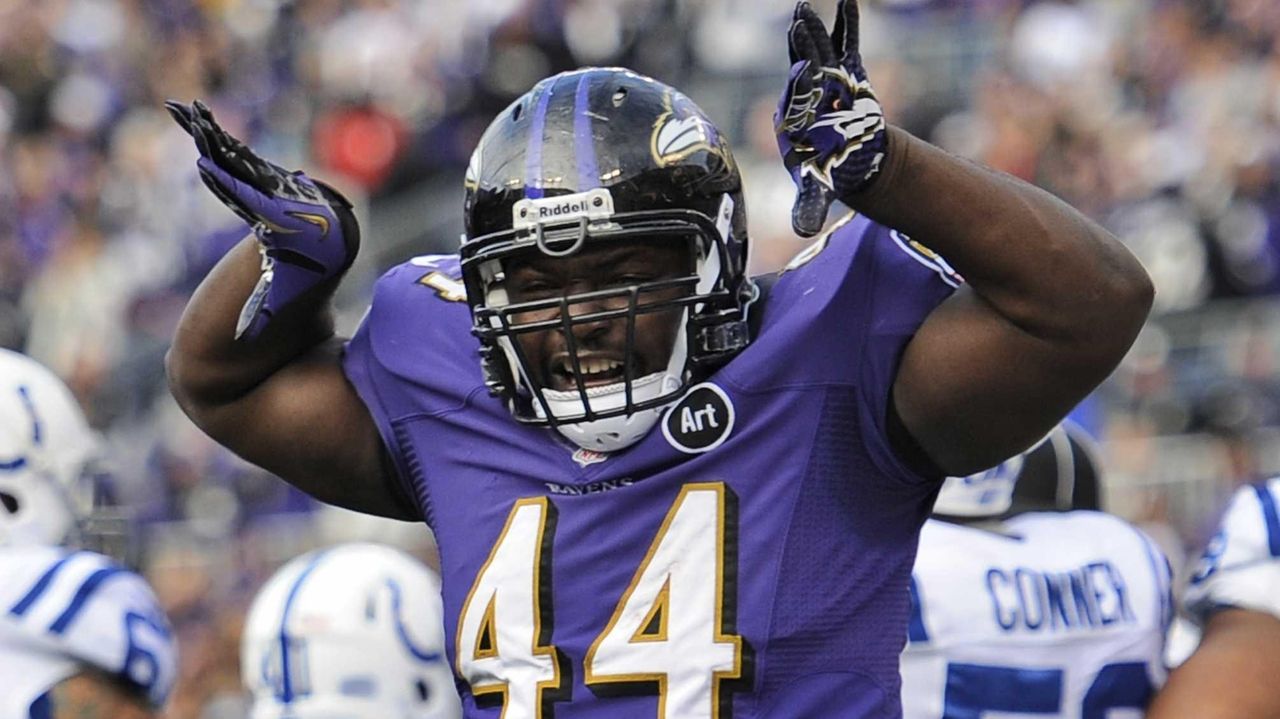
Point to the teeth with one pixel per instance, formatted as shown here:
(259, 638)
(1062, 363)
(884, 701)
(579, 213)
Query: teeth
(594, 366)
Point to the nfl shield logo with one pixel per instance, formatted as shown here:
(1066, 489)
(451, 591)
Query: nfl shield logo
(589, 456)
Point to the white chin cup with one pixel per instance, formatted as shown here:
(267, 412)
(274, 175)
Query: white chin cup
(613, 433)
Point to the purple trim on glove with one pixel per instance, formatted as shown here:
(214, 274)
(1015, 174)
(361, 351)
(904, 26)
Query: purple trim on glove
(302, 243)
(305, 228)
(830, 127)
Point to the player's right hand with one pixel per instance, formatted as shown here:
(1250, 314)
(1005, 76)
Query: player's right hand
(305, 228)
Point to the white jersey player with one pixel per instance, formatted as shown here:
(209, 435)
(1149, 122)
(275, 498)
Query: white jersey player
(66, 614)
(80, 635)
(1056, 614)
(1234, 598)
(353, 631)
(1241, 566)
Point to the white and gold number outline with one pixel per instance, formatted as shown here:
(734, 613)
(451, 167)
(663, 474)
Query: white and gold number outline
(541, 645)
(724, 614)
(726, 556)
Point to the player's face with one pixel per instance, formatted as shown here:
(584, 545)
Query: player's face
(601, 346)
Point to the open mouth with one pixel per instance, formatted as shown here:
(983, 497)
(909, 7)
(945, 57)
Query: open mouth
(596, 372)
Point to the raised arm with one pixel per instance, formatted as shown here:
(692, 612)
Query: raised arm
(1051, 304)
(254, 361)
(1051, 301)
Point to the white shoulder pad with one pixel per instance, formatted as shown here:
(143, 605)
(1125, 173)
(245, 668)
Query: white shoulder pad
(1241, 566)
(83, 607)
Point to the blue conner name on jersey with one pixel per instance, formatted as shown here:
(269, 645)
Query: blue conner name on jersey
(1089, 597)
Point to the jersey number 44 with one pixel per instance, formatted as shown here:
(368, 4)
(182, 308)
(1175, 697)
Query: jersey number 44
(670, 633)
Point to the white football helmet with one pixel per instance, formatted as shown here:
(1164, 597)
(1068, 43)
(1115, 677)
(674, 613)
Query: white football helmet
(354, 631)
(46, 446)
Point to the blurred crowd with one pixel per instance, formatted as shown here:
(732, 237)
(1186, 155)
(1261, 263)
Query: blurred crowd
(1159, 118)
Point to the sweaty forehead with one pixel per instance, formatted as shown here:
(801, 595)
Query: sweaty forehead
(658, 254)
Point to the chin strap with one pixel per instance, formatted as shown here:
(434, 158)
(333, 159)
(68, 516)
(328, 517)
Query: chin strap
(611, 434)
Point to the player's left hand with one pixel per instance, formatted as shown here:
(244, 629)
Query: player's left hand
(830, 126)
(306, 230)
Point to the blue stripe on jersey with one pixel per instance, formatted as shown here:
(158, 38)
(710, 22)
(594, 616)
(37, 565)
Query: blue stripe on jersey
(915, 629)
(584, 144)
(533, 154)
(40, 586)
(81, 596)
(1269, 514)
(286, 685)
(419, 654)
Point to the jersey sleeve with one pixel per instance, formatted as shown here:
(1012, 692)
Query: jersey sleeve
(908, 281)
(1240, 567)
(84, 607)
(414, 354)
(850, 303)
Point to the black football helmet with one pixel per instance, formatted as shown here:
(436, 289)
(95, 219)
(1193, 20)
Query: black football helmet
(595, 156)
(1061, 475)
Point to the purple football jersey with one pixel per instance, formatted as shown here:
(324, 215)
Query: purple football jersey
(749, 557)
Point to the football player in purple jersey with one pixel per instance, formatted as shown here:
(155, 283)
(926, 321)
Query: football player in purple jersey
(661, 487)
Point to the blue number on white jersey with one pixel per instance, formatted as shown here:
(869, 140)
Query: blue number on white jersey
(1060, 615)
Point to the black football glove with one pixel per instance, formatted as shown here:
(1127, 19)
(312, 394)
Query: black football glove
(305, 228)
(830, 127)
